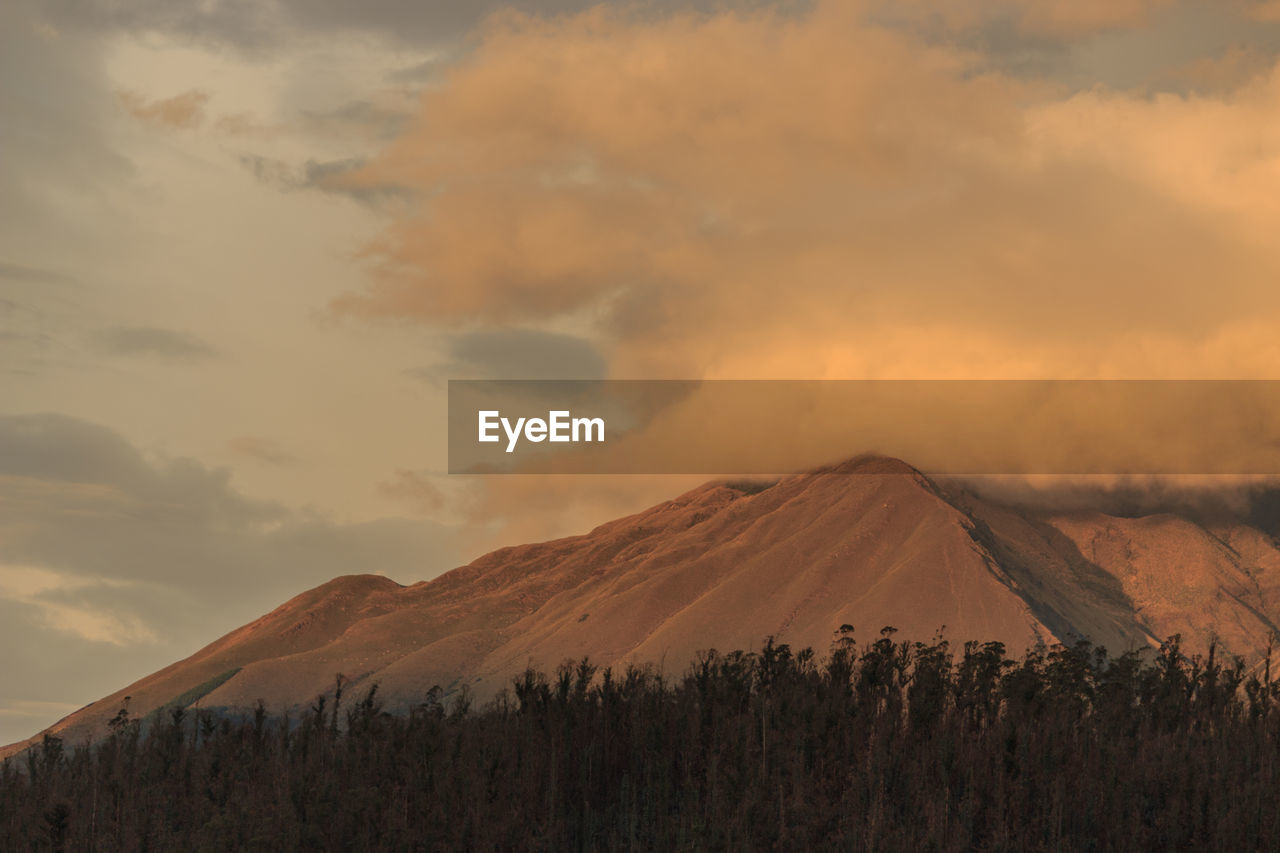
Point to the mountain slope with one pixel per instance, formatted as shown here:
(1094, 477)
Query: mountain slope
(872, 542)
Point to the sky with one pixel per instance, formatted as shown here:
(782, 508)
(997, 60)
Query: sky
(244, 245)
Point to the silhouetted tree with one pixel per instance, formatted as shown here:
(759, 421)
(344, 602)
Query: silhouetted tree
(891, 746)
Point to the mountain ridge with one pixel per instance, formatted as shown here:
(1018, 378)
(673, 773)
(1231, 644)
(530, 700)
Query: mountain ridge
(870, 541)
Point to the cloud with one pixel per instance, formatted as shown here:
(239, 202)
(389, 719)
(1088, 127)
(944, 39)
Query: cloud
(253, 26)
(1210, 500)
(245, 24)
(102, 547)
(428, 70)
(1260, 10)
(66, 603)
(27, 712)
(329, 176)
(871, 201)
(367, 118)
(259, 27)
(541, 210)
(180, 112)
(1222, 73)
(165, 344)
(77, 498)
(1074, 17)
(1043, 19)
(1068, 18)
(335, 176)
(865, 203)
(262, 450)
(72, 467)
(269, 170)
(517, 353)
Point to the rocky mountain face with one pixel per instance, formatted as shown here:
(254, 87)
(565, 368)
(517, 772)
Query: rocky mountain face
(869, 543)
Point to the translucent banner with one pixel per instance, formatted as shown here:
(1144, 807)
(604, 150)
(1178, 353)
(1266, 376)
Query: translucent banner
(956, 427)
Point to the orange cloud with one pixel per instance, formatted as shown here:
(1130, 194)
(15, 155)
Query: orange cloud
(182, 112)
(1260, 10)
(756, 195)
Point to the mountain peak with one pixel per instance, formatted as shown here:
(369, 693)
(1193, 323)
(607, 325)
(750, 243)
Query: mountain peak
(870, 463)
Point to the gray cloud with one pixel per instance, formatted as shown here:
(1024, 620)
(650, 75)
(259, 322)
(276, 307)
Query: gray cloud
(174, 520)
(165, 344)
(328, 176)
(1208, 499)
(255, 25)
(57, 447)
(519, 354)
(115, 564)
(269, 170)
(1121, 55)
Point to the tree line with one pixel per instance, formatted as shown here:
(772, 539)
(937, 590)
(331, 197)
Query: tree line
(885, 745)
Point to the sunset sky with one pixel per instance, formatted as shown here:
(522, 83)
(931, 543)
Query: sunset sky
(245, 244)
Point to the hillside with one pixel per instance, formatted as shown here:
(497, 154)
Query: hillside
(871, 542)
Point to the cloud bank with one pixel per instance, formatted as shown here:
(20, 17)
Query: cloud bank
(103, 548)
(759, 194)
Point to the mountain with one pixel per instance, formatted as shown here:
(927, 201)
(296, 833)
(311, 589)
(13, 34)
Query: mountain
(871, 542)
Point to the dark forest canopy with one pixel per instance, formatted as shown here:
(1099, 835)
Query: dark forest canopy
(883, 746)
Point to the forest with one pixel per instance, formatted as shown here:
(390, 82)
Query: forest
(882, 745)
